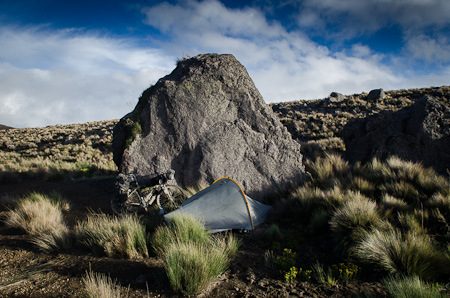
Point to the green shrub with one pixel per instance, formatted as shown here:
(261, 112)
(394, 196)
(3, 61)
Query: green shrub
(286, 260)
(291, 275)
(404, 253)
(121, 237)
(346, 271)
(412, 287)
(97, 285)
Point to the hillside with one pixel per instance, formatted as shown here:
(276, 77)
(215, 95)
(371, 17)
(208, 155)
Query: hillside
(81, 148)
(4, 127)
(319, 122)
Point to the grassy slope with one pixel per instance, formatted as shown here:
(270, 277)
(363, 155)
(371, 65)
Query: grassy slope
(66, 148)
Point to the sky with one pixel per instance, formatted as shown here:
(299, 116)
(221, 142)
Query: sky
(76, 61)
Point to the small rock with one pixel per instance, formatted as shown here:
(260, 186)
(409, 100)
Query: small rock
(334, 96)
(376, 94)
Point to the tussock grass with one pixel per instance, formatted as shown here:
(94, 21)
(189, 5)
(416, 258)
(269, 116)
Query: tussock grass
(118, 237)
(325, 169)
(97, 285)
(192, 256)
(354, 219)
(391, 202)
(411, 287)
(403, 253)
(41, 217)
(191, 266)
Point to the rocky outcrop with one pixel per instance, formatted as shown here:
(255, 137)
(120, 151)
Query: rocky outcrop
(420, 133)
(207, 120)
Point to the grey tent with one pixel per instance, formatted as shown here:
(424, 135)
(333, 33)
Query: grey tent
(223, 206)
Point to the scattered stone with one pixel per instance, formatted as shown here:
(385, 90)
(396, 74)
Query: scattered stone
(207, 120)
(376, 94)
(336, 97)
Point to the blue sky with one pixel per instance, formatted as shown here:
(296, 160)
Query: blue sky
(77, 61)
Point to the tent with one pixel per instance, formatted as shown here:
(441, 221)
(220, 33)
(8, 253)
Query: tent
(223, 206)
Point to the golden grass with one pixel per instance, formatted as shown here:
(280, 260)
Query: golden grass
(97, 285)
(119, 237)
(408, 253)
(41, 217)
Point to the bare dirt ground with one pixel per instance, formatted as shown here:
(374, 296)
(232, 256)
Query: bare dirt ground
(27, 272)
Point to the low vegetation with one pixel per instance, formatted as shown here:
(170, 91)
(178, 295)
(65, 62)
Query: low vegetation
(392, 215)
(413, 287)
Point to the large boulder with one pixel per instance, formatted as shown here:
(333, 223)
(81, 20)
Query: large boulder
(420, 133)
(207, 120)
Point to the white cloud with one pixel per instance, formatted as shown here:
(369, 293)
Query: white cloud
(284, 65)
(429, 49)
(353, 17)
(49, 77)
(66, 76)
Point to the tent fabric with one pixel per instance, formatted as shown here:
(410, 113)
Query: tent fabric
(223, 206)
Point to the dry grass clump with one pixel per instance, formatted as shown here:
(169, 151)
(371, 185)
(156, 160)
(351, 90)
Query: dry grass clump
(412, 287)
(97, 285)
(405, 253)
(41, 217)
(118, 237)
(354, 219)
(327, 171)
(192, 256)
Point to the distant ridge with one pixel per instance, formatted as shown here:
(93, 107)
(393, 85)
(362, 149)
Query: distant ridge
(5, 127)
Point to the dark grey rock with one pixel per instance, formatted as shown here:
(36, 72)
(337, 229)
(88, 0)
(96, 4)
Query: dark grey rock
(334, 96)
(420, 133)
(207, 120)
(376, 94)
